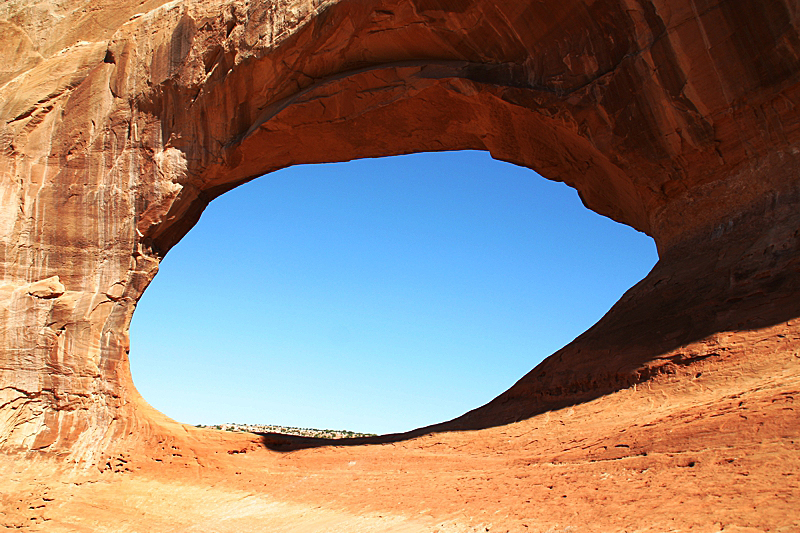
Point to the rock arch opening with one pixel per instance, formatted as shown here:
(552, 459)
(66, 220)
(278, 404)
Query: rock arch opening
(118, 142)
(379, 295)
(121, 120)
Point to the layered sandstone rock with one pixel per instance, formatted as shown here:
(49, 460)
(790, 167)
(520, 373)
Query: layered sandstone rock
(120, 121)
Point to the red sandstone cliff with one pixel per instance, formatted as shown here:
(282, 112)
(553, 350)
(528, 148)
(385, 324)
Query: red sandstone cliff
(120, 121)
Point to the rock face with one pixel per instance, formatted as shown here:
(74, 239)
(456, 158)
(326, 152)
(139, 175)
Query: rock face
(120, 121)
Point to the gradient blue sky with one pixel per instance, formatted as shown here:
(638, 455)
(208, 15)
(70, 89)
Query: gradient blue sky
(378, 295)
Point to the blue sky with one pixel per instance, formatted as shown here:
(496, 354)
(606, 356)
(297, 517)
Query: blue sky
(378, 295)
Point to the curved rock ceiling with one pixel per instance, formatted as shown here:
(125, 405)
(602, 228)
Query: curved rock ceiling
(122, 120)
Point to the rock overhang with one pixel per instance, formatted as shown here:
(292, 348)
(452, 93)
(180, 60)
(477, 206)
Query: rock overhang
(121, 122)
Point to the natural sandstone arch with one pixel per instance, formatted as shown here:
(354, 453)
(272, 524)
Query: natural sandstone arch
(122, 120)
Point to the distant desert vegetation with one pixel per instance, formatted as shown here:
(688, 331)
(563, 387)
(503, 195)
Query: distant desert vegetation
(288, 430)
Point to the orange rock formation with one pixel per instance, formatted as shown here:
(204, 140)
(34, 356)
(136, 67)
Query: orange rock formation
(120, 121)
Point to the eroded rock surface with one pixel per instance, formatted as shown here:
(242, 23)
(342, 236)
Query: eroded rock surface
(120, 121)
